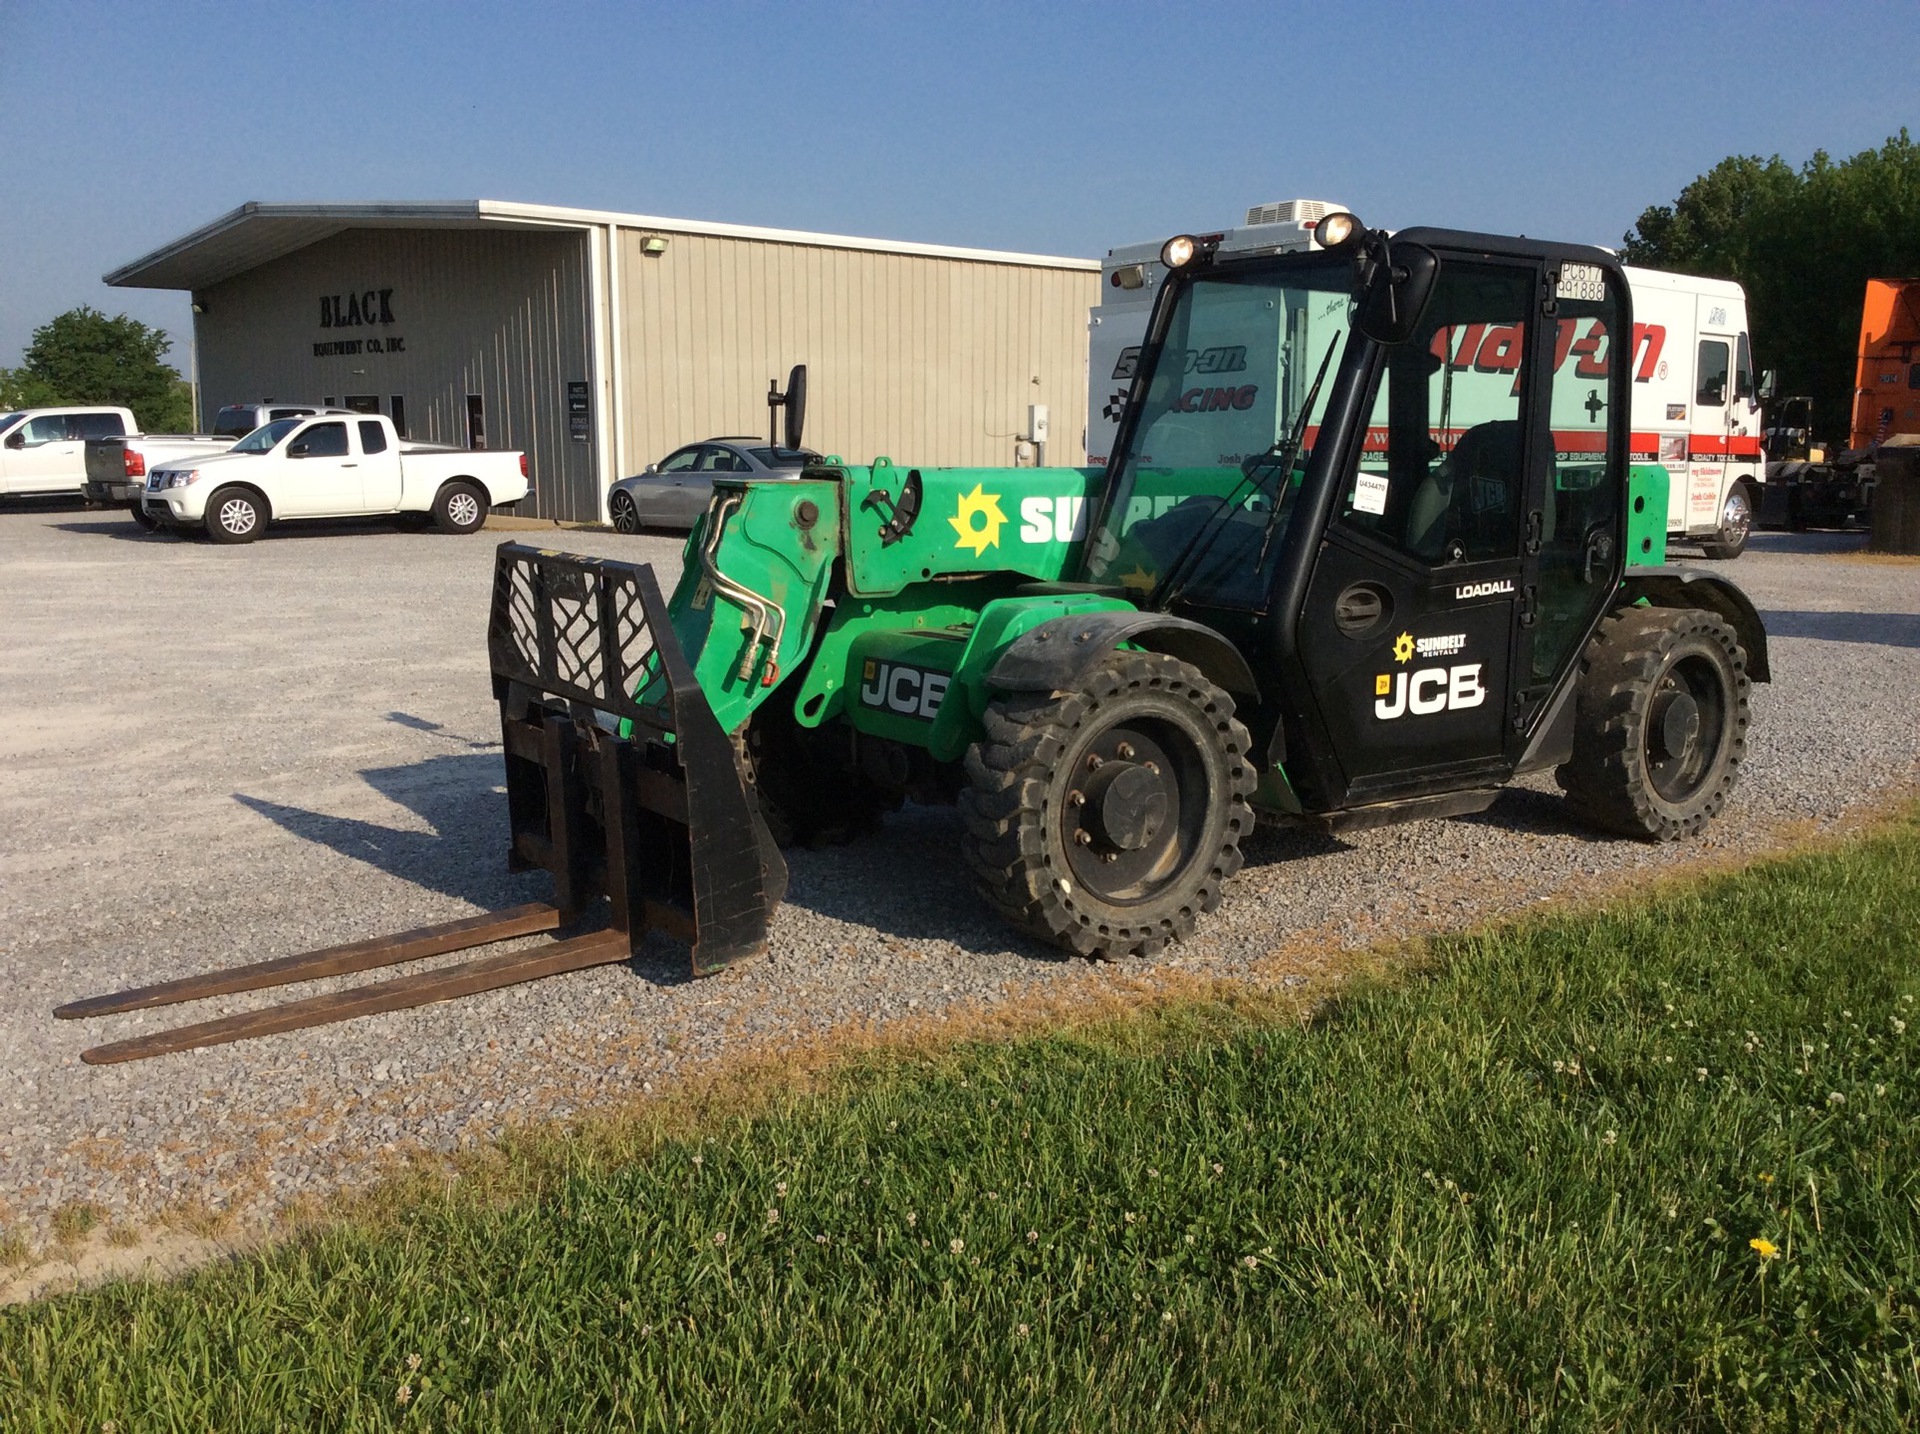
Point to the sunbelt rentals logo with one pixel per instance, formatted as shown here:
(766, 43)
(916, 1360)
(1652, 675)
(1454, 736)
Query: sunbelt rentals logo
(977, 520)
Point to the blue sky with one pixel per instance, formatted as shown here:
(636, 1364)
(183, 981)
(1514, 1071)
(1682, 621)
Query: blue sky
(1058, 129)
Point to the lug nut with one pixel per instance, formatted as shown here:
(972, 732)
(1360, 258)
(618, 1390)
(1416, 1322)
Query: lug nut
(1109, 856)
(1095, 762)
(1153, 767)
(1083, 837)
(1076, 799)
(1125, 751)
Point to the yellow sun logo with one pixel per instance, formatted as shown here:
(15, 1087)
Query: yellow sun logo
(1403, 647)
(977, 520)
(1140, 580)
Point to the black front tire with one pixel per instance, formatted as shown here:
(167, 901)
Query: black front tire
(1661, 723)
(626, 517)
(459, 508)
(145, 519)
(235, 516)
(1108, 820)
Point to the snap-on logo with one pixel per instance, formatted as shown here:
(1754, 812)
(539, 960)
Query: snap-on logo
(910, 691)
(1479, 590)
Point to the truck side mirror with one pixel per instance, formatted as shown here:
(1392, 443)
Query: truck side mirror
(17, 438)
(298, 449)
(1398, 284)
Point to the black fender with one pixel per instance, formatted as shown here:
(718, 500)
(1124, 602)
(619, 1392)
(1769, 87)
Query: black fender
(1061, 653)
(1691, 587)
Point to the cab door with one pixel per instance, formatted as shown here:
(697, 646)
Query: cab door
(1713, 414)
(380, 484)
(320, 474)
(1407, 633)
(44, 456)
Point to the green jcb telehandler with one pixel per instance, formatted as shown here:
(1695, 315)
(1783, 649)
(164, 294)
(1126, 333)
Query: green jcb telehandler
(1372, 542)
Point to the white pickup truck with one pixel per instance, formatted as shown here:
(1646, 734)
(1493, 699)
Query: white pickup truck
(117, 468)
(43, 450)
(332, 467)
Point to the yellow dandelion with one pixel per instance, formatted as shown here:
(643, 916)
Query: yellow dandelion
(1764, 1248)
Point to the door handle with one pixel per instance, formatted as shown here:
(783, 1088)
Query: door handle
(349, 465)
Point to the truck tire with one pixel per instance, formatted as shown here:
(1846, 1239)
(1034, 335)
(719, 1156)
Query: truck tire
(145, 519)
(1736, 525)
(459, 508)
(1660, 723)
(1107, 820)
(235, 515)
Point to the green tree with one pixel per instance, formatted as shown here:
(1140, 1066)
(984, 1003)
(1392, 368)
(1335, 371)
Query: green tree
(83, 356)
(1803, 243)
(20, 389)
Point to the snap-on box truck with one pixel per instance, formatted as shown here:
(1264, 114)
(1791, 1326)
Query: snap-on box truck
(1695, 399)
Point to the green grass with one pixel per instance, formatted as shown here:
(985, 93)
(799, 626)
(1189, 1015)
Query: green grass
(1515, 1188)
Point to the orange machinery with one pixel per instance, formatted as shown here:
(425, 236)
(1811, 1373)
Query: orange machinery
(1886, 394)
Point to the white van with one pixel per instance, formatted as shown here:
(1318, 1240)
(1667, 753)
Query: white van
(1695, 402)
(44, 450)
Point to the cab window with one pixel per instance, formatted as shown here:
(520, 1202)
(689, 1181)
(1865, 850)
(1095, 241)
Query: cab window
(1440, 475)
(47, 428)
(1712, 388)
(324, 440)
(98, 425)
(373, 438)
(1742, 369)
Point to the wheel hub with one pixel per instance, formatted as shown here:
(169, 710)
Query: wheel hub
(1675, 725)
(1126, 805)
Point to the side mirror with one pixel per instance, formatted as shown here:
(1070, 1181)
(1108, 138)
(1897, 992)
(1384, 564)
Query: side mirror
(1769, 385)
(17, 438)
(1398, 283)
(298, 450)
(651, 468)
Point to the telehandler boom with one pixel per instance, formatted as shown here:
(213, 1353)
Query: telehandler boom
(1304, 594)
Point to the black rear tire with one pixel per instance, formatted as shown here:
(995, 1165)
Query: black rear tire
(145, 519)
(235, 515)
(459, 508)
(1108, 820)
(626, 517)
(1661, 723)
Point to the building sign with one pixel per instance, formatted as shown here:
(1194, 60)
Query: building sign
(579, 415)
(368, 308)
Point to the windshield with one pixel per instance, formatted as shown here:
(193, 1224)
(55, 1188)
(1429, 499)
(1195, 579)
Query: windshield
(1200, 496)
(235, 421)
(264, 438)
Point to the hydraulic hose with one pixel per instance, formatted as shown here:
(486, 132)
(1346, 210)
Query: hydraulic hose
(764, 612)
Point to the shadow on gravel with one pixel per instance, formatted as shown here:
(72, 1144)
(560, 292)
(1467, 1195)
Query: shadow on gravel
(1878, 629)
(459, 798)
(1848, 540)
(124, 529)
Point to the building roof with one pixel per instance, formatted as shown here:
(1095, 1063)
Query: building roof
(256, 234)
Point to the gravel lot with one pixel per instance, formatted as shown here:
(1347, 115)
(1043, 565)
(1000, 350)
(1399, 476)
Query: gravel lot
(211, 755)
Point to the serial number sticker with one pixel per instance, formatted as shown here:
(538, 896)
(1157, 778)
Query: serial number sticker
(1583, 282)
(1370, 493)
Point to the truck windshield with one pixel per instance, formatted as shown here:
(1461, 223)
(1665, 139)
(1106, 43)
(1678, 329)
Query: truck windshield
(264, 438)
(1200, 496)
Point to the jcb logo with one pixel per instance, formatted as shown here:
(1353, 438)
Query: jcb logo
(910, 691)
(1430, 690)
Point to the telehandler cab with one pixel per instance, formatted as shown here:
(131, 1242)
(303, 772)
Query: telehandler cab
(1297, 590)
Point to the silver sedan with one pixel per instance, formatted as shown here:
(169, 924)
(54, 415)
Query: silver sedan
(674, 492)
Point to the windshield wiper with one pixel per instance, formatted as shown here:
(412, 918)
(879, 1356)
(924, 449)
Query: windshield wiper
(1280, 459)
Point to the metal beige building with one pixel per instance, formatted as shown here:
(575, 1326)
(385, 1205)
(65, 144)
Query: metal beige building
(598, 342)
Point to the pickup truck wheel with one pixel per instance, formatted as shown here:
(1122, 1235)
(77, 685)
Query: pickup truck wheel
(144, 518)
(235, 516)
(1660, 729)
(460, 508)
(1107, 820)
